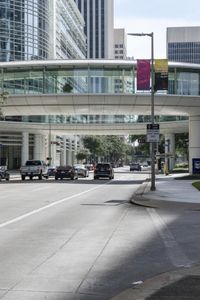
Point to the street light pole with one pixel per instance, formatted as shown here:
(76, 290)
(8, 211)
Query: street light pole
(49, 140)
(153, 187)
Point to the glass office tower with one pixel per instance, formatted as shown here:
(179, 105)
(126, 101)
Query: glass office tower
(24, 30)
(37, 30)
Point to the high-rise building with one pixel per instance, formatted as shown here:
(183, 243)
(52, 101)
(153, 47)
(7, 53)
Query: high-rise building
(24, 30)
(67, 38)
(120, 44)
(45, 29)
(183, 44)
(39, 29)
(98, 16)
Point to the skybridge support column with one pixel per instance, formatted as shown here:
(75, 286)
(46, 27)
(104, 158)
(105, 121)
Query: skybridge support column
(39, 147)
(63, 153)
(170, 150)
(25, 147)
(194, 140)
(69, 151)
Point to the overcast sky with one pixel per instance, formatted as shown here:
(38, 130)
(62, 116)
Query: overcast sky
(138, 16)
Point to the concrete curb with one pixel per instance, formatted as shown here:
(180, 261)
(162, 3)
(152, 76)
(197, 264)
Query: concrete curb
(144, 197)
(154, 284)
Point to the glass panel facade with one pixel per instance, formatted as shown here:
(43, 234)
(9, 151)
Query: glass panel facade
(46, 79)
(187, 83)
(184, 52)
(24, 30)
(75, 80)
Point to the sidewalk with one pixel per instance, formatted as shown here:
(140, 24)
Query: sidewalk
(182, 283)
(168, 192)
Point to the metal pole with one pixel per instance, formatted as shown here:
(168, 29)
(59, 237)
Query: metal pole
(49, 140)
(153, 187)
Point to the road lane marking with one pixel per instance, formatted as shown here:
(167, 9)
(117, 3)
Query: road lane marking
(48, 206)
(175, 253)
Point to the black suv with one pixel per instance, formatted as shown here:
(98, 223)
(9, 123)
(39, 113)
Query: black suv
(135, 167)
(103, 170)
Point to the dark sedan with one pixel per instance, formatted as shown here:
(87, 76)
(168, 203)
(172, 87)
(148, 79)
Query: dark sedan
(66, 172)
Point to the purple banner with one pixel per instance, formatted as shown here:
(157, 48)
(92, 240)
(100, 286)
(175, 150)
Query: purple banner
(143, 74)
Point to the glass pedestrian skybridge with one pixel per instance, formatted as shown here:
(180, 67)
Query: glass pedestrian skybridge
(89, 77)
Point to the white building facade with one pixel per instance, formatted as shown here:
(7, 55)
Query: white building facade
(183, 44)
(120, 43)
(99, 25)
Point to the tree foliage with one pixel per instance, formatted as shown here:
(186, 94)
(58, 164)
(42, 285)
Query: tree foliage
(109, 148)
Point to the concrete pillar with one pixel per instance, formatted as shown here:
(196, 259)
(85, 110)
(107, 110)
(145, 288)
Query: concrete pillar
(170, 149)
(69, 159)
(25, 147)
(194, 139)
(39, 147)
(63, 153)
(55, 161)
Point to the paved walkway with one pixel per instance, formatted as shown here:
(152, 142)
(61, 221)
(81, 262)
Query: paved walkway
(183, 283)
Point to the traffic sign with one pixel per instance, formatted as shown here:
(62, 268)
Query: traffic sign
(153, 133)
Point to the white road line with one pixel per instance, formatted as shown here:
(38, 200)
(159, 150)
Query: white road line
(48, 206)
(175, 253)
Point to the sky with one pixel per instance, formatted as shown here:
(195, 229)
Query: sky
(146, 16)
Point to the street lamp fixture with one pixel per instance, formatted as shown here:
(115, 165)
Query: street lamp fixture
(153, 187)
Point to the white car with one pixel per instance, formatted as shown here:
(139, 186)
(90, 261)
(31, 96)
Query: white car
(82, 170)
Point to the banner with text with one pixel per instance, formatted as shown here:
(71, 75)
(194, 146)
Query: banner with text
(143, 74)
(161, 74)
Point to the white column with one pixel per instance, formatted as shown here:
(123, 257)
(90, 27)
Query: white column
(63, 153)
(170, 149)
(69, 152)
(25, 147)
(54, 161)
(39, 147)
(194, 139)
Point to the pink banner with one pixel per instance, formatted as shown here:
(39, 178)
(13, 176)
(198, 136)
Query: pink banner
(143, 74)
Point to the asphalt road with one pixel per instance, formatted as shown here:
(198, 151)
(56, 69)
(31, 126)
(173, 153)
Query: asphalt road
(72, 240)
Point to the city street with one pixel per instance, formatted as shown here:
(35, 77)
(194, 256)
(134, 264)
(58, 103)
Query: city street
(82, 239)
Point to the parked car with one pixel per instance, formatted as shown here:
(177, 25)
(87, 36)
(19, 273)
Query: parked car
(135, 167)
(51, 171)
(66, 172)
(82, 170)
(103, 170)
(34, 168)
(4, 174)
